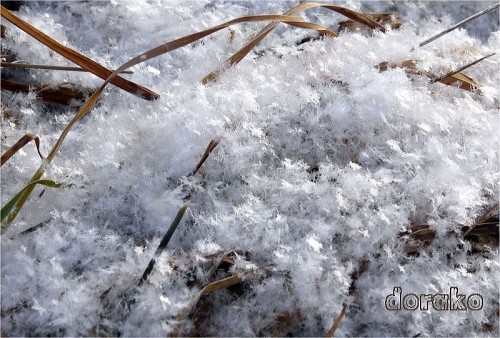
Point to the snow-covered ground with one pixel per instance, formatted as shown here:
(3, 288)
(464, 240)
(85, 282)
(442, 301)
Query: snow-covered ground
(322, 162)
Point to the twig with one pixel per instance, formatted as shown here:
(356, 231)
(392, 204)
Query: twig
(460, 69)
(30, 66)
(458, 25)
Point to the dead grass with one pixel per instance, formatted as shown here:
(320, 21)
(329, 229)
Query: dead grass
(483, 234)
(27, 138)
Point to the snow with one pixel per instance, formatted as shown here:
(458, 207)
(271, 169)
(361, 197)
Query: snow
(322, 162)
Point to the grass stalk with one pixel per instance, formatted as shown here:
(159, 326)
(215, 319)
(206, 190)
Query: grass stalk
(163, 243)
(152, 53)
(240, 54)
(211, 146)
(336, 324)
(78, 58)
(7, 208)
(23, 65)
(458, 25)
(461, 68)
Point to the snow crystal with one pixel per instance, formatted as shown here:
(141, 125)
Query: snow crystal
(324, 165)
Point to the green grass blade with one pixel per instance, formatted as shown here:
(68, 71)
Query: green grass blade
(7, 208)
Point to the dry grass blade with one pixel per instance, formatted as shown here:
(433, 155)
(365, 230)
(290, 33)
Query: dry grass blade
(482, 235)
(355, 16)
(419, 236)
(60, 94)
(463, 81)
(163, 243)
(78, 58)
(458, 25)
(157, 51)
(19, 145)
(220, 259)
(240, 54)
(454, 72)
(336, 324)
(422, 233)
(165, 48)
(484, 229)
(211, 146)
(220, 284)
(23, 65)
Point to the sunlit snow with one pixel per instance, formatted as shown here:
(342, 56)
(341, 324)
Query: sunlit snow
(322, 162)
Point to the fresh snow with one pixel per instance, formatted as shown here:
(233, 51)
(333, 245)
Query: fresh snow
(322, 162)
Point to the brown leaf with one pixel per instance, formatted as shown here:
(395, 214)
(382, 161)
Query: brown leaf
(282, 324)
(460, 79)
(385, 19)
(60, 94)
(210, 288)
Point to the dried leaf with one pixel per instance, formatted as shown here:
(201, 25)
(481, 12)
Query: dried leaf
(210, 288)
(51, 94)
(385, 19)
(283, 324)
(460, 79)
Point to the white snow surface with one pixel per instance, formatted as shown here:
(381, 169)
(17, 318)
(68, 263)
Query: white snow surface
(322, 162)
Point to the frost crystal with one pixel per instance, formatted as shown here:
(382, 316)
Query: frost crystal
(327, 174)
